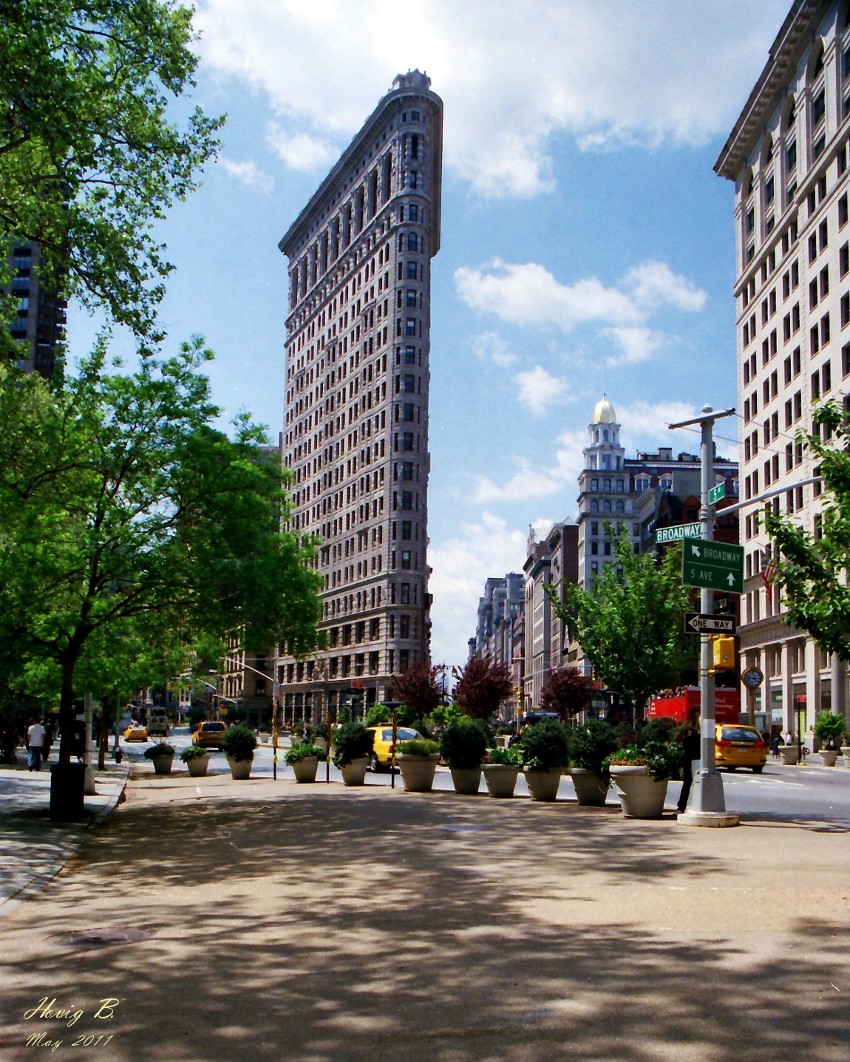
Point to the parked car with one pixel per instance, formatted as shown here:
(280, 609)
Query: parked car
(209, 735)
(382, 749)
(136, 732)
(736, 745)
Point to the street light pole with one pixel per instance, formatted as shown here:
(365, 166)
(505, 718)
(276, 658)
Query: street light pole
(706, 803)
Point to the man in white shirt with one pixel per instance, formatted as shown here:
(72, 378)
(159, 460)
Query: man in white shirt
(35, 742)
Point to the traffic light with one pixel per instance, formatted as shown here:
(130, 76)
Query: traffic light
(723, 652)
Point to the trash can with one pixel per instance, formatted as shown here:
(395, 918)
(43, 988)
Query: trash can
(67, 785)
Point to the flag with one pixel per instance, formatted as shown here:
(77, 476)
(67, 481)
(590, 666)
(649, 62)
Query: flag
(769, 571)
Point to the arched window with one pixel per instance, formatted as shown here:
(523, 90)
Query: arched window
(412, 241)
(619, 507)
(641, 483)
(666, 482)
(594, 506)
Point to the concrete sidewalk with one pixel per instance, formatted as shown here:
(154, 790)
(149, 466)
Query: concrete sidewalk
(32, 848)
(268, 920)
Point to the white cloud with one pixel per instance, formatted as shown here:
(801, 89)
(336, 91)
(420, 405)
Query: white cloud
(513, 76)
(539, 390)
(302, 151)
(461, 565)
(249, 174)
(490, 346)
(634, 344)
(525, 483)
(529, 295)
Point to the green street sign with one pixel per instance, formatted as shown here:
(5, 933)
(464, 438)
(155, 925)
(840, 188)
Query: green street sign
(677, 532)
(713, 565)
(716, 493)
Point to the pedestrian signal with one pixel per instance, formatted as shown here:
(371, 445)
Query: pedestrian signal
(723, 653)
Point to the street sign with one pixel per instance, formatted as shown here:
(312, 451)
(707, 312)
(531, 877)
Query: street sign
(713, 565)
(698, 623)
(677, 533)
(716, 493)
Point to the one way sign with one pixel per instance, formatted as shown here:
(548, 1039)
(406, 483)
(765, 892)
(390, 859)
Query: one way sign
(697, 623)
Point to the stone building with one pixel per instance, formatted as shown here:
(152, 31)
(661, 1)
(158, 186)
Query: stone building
(356, 404)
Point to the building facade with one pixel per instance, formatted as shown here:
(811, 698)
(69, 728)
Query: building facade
(356, 406)
(39, 322)
(789, 158)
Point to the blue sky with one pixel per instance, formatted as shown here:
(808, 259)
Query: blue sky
(587, 245)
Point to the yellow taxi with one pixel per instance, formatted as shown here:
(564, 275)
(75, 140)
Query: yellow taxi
(136, 732)
(736, 745)
(209, 735)
(382, 749)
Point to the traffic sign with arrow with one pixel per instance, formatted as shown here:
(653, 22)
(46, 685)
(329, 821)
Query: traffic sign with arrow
(699, 623)
(713, 565)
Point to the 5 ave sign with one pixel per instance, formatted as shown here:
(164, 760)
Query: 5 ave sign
(698, 623)
(713, 565)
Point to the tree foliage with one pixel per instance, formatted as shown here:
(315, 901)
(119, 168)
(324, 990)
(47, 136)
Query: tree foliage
(629, 623)
(129, 525)
(420, 688)
(89, 155)
(813, 571)
(482, 686)
(566, 692)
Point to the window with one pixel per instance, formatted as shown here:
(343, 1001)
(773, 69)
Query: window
(818, 106)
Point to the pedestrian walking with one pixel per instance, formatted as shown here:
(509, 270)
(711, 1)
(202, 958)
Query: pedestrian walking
(691, 750)
(35, 743)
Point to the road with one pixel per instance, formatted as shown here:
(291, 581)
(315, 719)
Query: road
(807, 792)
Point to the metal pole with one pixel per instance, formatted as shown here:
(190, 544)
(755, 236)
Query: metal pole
(88, 786)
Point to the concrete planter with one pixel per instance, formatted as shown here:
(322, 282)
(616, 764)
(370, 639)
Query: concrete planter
(641, 797)
(845, 752)
(354, 773)
(829, 757)
(591, 788)
(305, 770)
(467, 780)
(162, 763)
(198, 765)
(501, 779)
(543, 785)
(240, 769)
(417, 772)
(790, 754)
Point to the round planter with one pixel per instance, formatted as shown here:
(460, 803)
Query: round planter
(591, 788)
(467, 780)
(198, 765)
(305, 770)
(162, 764)
(500, 778)
(829, 757)
(790, 754)
(543, 785)
(240, 769)
(417, 772)
(641, 797)
(354, 773)
(845, 752)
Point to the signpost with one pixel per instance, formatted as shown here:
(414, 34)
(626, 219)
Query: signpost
(696, 623)
(677, 533)
(716, 493)
(713, 565)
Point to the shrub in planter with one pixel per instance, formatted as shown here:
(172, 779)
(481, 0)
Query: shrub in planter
(500, 757)
(544, 746)
(303, 751)
(417, 761)
(197, 759)
(193, 752)
(352, 741)
(463, 743)
(238, 743)
(418, 747)
(501, 768)
(589, 746)
(661, 760)
(829, 729)
(162, 755)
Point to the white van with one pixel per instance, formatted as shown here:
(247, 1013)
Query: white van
(157, 722)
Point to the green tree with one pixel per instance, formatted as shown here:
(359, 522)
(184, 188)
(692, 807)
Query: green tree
(812, 569)
(629, 623)
(127, 519)
(566, 692)
(89, 155)
(482, 686)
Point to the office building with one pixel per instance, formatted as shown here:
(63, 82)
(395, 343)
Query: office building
(39, 320)
(787, 156)
(356, 405)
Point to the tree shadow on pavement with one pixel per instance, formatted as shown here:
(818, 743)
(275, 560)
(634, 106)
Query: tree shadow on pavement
(345, 924)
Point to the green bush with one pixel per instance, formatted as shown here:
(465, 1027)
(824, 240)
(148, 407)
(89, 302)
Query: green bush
(352, 741)
(300, 752)
(544, 746)
(591, 744)
(463, 743)
(661, 759)
(829, 729)
(505, 757)
(418, 747)
(239, 742)
(161, 748)
(193, 752)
